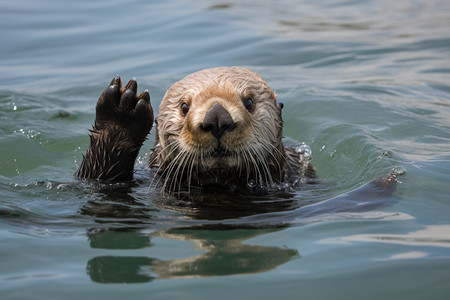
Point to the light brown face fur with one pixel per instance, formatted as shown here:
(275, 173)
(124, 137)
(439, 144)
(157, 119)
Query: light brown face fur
(251, 150)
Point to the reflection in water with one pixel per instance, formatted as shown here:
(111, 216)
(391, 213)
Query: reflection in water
(118, 239)
(116, 269)
(217, 206)
(224, 254)
(112, 205)
(216, 223)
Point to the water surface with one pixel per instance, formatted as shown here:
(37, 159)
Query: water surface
(365, 84)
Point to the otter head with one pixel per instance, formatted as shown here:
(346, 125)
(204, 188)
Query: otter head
(219, 126)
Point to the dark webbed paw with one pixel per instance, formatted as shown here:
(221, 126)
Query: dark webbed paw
(123, 120)
(123, 108)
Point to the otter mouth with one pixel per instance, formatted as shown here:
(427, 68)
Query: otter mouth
(219, 153)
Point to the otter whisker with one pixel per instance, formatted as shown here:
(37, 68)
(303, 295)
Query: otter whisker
(275, 159)
(175, 167)
(175, 144)
(237, 158)
(246, 161)
(256, 163)
(265, 167)
(169, 174)
(180, 166)
(260, 142)
(191, 167)
(288, 163)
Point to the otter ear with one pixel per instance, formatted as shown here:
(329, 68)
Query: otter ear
(280, 105)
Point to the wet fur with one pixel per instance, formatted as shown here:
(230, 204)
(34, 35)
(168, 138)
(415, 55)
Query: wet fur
(123, 120)
(186, 156)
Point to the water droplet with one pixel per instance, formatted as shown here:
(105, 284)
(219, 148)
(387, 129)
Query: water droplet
(61, 186)
(387, 154)
(398, 171)
(304, 150)
(332, 154)
(251, 183)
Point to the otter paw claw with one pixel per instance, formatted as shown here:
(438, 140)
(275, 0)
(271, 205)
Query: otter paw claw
(124, 108)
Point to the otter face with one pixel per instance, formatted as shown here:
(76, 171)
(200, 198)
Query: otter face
(220, 126)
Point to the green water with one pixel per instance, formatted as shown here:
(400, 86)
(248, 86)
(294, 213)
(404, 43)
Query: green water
(366, 84)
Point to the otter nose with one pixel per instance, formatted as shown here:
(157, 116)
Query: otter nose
(218, 121)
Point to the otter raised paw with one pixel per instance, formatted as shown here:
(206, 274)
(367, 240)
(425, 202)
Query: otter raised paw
(123, 120)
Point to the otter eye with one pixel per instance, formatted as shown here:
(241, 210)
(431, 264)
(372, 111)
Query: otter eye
(184, 109)
(248, 103)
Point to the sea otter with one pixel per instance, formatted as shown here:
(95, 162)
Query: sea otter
(219, 127)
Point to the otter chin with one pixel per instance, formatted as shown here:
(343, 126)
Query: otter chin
(216, 127)
(222, 127)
